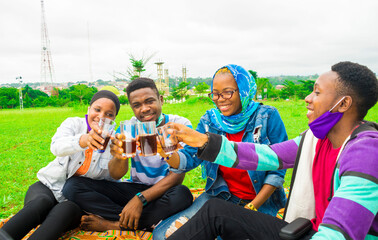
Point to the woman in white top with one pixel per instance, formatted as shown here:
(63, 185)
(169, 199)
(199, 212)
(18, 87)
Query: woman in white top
(74, 145)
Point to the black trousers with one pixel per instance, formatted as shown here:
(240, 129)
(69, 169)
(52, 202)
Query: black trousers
(41, 208)
(229, 221)
(107, 199)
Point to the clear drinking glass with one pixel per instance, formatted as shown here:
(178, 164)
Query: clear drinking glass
(107, 127)
(167, 141)
(147, 138)
(129, 142)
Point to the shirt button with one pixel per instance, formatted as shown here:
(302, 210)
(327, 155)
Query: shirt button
(255, 181)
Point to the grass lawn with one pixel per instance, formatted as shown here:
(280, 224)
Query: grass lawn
(26, 137)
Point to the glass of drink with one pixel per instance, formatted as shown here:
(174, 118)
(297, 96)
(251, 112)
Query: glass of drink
(129, 142)
(107, 126)
(167, 141)
(147, 138)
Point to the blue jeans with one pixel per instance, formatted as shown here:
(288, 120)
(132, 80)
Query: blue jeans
(162, 227)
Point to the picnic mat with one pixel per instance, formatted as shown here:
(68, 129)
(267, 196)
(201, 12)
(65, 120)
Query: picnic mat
(77, 233)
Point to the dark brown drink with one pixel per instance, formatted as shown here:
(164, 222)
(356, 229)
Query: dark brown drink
(104, 145)
(106, 142)
(148, 144)
(170, 149)
(129, 147)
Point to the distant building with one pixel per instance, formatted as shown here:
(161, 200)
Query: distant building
(279, 87)
(46, 89)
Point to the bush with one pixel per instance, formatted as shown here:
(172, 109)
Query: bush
(199, 100)
(123, 100)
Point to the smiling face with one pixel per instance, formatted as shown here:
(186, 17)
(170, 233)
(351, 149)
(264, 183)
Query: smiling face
(226, 82)
(323, 97)
(101, 108)
(145, 104)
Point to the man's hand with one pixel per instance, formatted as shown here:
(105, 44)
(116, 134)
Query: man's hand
(187, 135)
(116, 146)
(131, 214)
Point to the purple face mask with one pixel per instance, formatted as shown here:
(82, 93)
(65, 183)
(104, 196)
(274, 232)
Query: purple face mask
(323, 124)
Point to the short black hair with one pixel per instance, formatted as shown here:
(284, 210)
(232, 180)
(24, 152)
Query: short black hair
(360, 83)
(141, 83)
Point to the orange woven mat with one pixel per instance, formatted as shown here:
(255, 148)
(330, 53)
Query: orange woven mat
(115, 234)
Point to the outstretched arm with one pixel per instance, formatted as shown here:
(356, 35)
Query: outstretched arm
(243, 155)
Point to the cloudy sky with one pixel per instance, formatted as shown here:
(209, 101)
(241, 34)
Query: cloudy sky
(272, 37)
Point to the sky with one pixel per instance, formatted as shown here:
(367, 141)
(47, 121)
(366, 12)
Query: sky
(92, 39)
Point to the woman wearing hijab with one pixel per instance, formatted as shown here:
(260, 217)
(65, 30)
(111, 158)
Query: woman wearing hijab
(238, 118)
(74, 145)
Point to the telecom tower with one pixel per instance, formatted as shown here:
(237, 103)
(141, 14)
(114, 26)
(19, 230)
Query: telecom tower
(159, 73)
(184, 73)
(47, 67)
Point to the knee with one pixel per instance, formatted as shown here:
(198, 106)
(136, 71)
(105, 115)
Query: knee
(71, 187)
(40, 206)
(70, 208)
(45, 201)
(214, 205)
(69, 211)
(184, 196)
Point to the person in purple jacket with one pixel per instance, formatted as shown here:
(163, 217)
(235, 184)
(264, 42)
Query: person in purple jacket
(335, 176)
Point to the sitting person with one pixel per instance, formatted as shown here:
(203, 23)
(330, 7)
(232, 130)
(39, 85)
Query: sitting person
(73, 145)
(237, 117)
(335, 176)
(151, 194)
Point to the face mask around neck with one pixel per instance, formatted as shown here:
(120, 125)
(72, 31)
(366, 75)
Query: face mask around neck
(323, 124)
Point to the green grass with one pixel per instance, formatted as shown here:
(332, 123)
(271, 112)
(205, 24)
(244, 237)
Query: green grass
(26, 136)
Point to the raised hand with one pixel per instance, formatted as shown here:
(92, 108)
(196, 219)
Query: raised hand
(92, 139)
(116, 146)
(187, 135)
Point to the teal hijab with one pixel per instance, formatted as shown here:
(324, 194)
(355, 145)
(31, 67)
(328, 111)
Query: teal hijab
(247, 90)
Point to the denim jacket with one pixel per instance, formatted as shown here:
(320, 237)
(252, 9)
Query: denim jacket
(266, 127)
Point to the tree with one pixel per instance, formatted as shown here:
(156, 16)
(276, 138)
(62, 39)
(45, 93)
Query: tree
(290, 90)
(12, 102)
(3, 102)
(305, 88)
(201, 87)
(261, 84)
(27, 101)
(123, 100)
(137, 66)
(33, 94)
(82, 92)
(9, 97)
(180, 91)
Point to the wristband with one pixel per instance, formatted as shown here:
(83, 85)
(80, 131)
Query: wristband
(208, 139)
(251, 206)
(142, 198)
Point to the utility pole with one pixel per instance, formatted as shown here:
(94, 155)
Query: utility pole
(21, 100)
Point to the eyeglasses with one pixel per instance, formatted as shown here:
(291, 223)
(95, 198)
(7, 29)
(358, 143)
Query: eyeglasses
(224, 95)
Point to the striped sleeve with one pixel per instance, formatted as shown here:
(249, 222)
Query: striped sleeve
(250, 156)
(354, 207)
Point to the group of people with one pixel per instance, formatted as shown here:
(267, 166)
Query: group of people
(243, 150)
